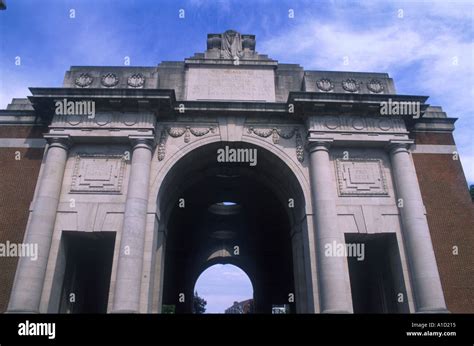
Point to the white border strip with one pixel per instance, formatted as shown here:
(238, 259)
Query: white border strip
(433, 149)
(22, 143)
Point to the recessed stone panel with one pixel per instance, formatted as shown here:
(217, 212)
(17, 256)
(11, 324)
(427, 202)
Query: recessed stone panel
(236, 84)
(361, 177)
(98, 173)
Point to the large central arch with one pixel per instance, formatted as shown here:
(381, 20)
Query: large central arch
(265, 233)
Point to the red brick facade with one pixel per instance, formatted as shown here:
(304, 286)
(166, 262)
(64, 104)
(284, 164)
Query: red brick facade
(450, 214)
(18, 181)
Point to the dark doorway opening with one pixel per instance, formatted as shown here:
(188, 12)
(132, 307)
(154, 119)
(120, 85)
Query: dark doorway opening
(234, 213)
(377, 283)
(86, 282)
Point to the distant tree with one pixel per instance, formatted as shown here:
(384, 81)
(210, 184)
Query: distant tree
(471, 189)
(168, 309)
(199, 304)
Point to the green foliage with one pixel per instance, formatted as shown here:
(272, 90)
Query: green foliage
(199, 304)
(168, 309)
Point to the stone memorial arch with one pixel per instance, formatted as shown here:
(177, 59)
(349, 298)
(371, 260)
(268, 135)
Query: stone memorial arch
(132, 201)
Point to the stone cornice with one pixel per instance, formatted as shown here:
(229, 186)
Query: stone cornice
(43, 99)
(163, 94)
(297, 96)
(435, 125)
(230, 62)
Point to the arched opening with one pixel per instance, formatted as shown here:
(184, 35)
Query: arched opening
(226, 289)
(252, 216)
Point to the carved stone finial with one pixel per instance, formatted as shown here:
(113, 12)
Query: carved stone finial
(231, 44)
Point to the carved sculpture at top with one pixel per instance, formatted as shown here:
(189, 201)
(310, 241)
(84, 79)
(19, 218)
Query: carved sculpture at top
(231, 45)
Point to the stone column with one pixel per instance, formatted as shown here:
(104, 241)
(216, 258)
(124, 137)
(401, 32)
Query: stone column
(29, 277)
(130, 260)
(333, 272)
(422, 262)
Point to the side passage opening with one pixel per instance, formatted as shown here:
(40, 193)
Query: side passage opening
(87, 276)
(377, 283)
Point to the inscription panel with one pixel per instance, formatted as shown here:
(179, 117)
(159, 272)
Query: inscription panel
(361, 177)
(98, 173)
(231, 84)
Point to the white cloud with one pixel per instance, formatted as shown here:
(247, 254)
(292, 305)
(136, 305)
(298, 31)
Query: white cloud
(467, 160)
(222, 285)
(427, 53)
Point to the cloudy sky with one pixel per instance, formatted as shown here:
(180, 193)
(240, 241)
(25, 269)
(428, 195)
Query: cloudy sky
(222, 285)
(426, 46)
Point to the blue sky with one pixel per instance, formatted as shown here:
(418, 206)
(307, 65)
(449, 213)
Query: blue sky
(426, 46)
(221, 285)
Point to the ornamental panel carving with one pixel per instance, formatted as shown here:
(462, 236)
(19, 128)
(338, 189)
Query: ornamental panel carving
(97, 173)
(347, 123)
(84, 80)
(361, 177)
(109, 80)
(176, 132)
(375, 86)
(325, 84)
(351, 85)
(278, 133)
(136, 81)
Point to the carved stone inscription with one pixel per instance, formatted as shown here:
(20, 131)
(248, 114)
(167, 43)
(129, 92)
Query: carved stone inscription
(361, 177)
(231, 84)
(98, 173)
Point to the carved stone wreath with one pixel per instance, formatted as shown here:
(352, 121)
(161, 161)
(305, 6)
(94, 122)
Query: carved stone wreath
(276, 133)
(84, 80)
(136, 80)
(375, 86)
(177, 132)
(325, 84)
(109, 80)
(350, 85)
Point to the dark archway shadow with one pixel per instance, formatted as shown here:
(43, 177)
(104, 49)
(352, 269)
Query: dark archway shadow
(257, 239)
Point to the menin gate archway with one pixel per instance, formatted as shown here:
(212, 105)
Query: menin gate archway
(260, 231)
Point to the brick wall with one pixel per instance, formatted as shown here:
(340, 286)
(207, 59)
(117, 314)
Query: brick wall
(450, 214)
(17, 184)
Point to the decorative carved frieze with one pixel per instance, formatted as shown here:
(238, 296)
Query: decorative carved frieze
(162, 144)
(103, 119)
(299, 147)
(136, 81)
(325, 84)
(375, 86)
(109, 80)
(98, 173)
(347, 123)
(116, 120)
(276, 133)
(177, 132)
(361, 177)
(84, 80)
(351, 85)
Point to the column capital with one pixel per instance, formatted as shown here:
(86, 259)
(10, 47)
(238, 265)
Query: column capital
(147, 142)
(397, 146)
(319, 145)
(63, 142)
